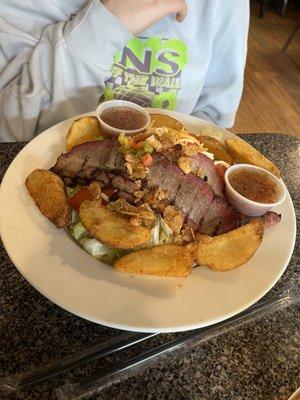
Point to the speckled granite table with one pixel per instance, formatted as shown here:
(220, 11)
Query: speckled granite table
(260, 361)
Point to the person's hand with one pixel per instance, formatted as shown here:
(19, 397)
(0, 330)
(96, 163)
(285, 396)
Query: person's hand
(138, 15)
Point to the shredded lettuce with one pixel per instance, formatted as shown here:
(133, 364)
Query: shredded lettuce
(93, 246)
(74, 217)
(98, 250)
(164, 226)
(154, 241)
(161, 233)
(78, 231)
(166, 233)
(164, 238)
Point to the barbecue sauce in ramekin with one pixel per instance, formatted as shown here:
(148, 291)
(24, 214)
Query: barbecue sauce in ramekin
(123, 117)
(255, 185)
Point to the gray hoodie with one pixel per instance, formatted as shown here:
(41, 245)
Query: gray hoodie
(59, 58)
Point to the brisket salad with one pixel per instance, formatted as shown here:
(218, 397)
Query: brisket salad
(152, 203)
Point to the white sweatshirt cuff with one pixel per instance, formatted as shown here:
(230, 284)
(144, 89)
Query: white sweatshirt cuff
(203, 115)
(96, 34)
(225, 121)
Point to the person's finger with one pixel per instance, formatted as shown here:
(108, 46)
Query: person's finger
(181, 14)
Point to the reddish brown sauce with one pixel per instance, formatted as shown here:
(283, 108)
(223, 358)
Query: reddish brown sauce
(255, 185)
(124, 118)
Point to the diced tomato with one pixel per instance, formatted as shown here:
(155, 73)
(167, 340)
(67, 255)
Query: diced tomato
(221, 170)
(109, 191)
(79, 197)
(147, 160)
(136, 145)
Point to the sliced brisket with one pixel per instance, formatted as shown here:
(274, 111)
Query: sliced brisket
(201, 165)
(200, 200)
(208, 172)
(124, 184)
(271, 219)
(219, 218)
(164, 174)
(193, 196)
(87, 161)
(96, 161)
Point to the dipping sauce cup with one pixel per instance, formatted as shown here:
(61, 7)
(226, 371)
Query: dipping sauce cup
(120, 116)
(245, 205)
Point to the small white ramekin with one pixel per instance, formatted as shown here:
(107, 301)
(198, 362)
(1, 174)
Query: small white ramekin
(247, 206)
(114, 132)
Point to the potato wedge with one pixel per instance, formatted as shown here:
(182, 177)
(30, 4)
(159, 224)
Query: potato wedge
(217, 148)
(242, 152)
(158, 120)
(111, 228)
(49, 194)
(232, 249)
(82, 130)
(213, 132)
(169, 260)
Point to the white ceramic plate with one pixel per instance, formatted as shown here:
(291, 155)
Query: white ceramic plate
(75, 281)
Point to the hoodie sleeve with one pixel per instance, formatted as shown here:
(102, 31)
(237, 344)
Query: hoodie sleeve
(50, 77)
(223, 84)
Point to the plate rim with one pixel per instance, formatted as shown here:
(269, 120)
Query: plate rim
(121, 326)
